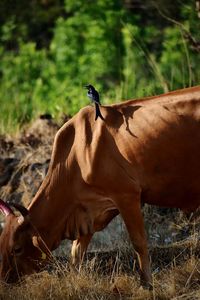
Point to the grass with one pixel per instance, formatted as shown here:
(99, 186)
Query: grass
(178, 282)
(112, 278)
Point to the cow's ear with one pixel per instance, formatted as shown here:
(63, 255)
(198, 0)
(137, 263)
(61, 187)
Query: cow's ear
(23, 211)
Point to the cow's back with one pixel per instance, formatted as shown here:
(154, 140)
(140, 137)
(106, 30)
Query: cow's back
(161, 138)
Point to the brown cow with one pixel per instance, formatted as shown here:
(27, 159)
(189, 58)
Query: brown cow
(145, 151)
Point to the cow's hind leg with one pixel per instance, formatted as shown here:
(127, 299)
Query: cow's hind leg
(130, 210)
(79, 248)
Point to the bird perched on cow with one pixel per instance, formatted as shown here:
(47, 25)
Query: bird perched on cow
(94, 96)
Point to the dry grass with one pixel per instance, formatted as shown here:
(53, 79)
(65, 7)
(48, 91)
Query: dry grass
(179, 279)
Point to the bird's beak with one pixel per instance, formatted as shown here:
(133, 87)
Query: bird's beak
(86, 86)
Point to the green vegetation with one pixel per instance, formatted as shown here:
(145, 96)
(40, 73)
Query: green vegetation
(50, 49)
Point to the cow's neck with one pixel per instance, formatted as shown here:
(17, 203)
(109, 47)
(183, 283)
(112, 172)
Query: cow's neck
(48, 210)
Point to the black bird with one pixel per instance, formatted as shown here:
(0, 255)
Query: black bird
(94, 96)
(92, 93)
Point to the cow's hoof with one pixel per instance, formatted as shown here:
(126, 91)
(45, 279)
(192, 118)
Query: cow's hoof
(146, 285)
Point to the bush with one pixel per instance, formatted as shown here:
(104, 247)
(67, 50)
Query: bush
(125, 53)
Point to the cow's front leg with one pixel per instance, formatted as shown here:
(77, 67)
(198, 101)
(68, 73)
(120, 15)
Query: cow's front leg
(79, 248)
(130, 210)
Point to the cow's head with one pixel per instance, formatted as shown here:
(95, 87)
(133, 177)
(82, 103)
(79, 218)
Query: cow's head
(22, 250)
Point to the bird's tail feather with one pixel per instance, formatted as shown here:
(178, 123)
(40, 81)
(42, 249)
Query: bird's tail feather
(98, 112)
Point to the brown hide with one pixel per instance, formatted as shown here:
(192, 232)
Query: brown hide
(145, 150)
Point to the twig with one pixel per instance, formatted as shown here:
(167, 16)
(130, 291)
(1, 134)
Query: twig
(195, 44)
(191, 274)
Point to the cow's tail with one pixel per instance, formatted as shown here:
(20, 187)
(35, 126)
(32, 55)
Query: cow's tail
(98, 112)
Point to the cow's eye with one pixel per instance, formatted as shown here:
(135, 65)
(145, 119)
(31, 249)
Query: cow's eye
(18, 250)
